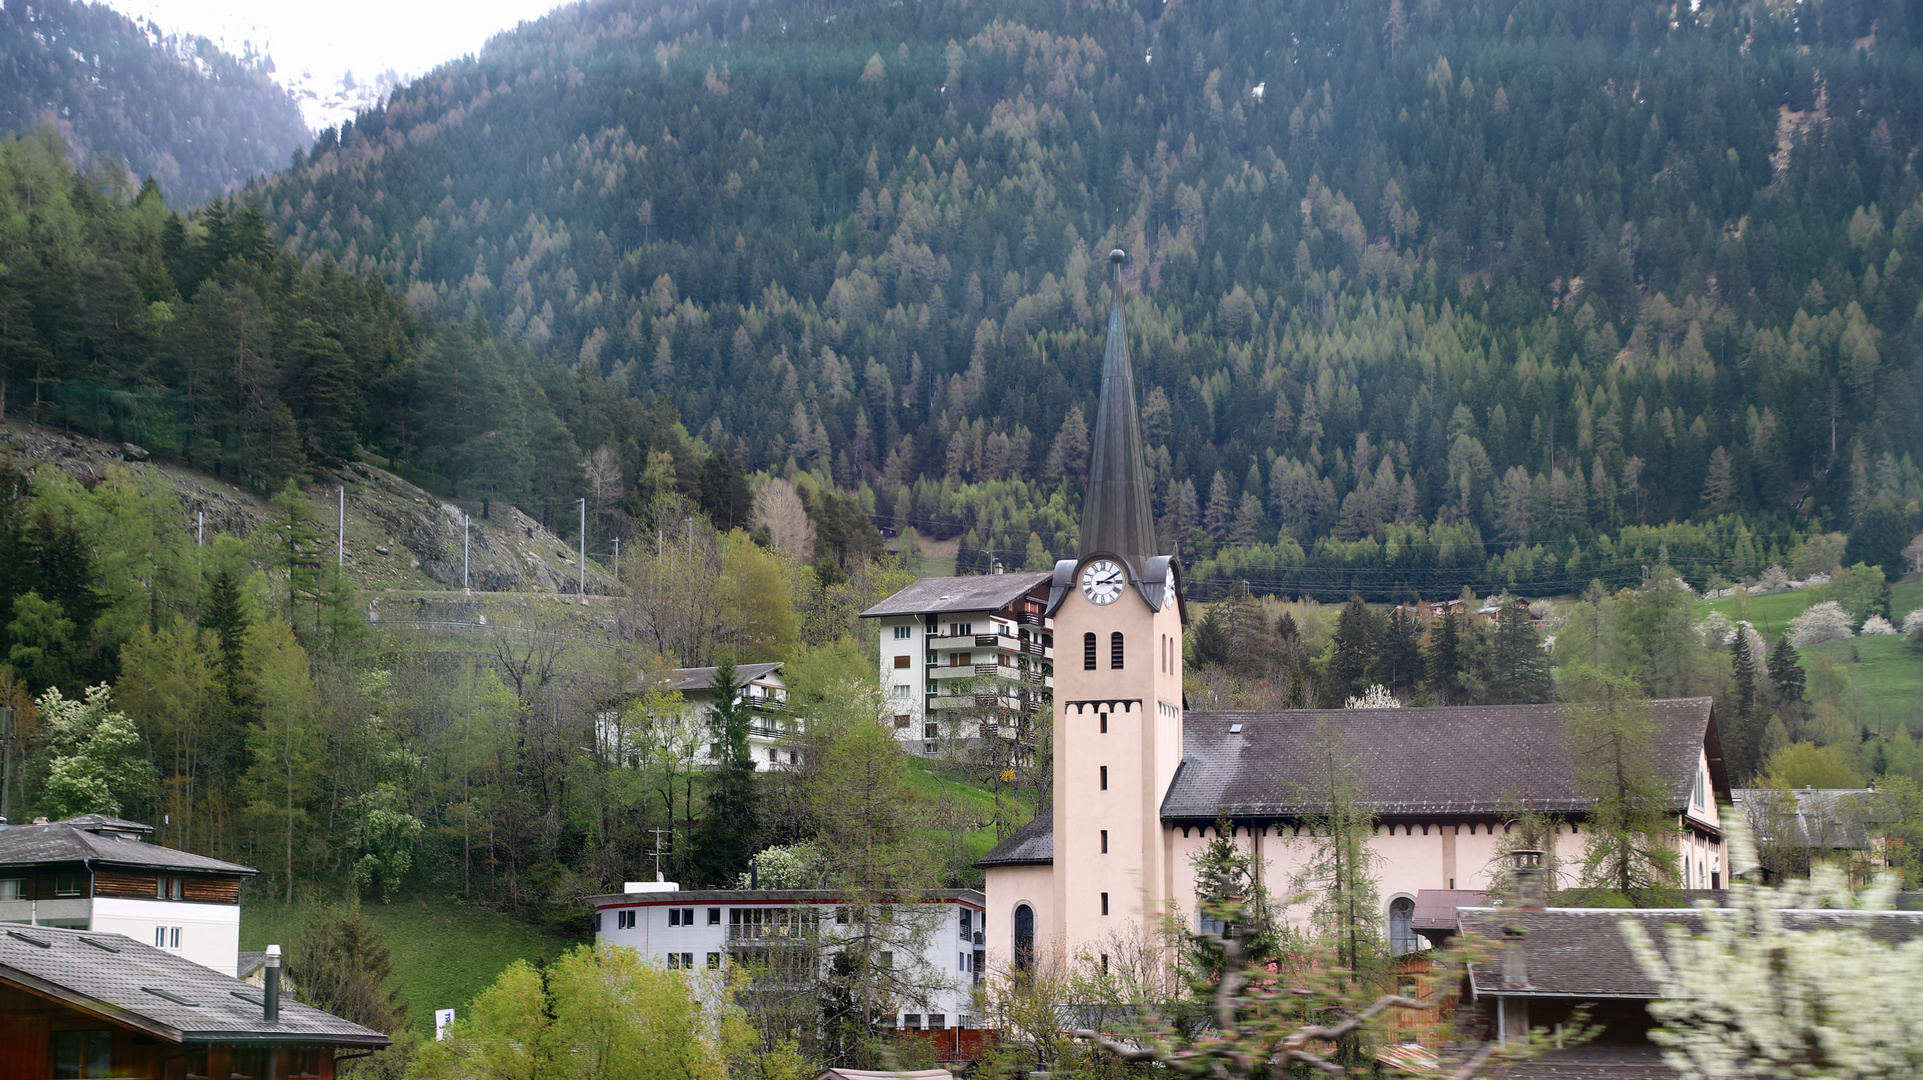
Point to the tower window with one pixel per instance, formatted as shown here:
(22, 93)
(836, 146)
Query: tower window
(1104, 903)
(1088, 652)
(1115, 649)
(1024, 937)
(1104, 719)
(1104, 778)
(1104, 841)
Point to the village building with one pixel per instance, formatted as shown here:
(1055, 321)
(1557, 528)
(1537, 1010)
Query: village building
(80, 1003)
(760, 687)
(102, 874)
(966, 658)
(1140, 782)
(795, 932)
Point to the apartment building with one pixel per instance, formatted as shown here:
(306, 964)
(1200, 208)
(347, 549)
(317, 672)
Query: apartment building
(965, 659)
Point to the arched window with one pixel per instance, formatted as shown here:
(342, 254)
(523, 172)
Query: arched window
(1088, 652)
(1402, 934)
(1115, 649)
(1024, 937)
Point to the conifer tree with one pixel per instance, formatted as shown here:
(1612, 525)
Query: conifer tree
(1518, 667)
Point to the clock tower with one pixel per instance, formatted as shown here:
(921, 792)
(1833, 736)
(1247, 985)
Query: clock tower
(1118, 618)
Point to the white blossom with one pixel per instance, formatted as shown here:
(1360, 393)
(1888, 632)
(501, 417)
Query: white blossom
(1774, 579)
(1375, 697)
(1913, 621)
(1877, 625)
(1818, 623)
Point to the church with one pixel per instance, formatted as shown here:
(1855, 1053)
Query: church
(1141, 782)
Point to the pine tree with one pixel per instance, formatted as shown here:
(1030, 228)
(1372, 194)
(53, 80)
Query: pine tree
(1742, 728)
(1443, 669)
(1631, 848)
(1786, 676)
(730, 827)
(1353, 655)
(1518, 666)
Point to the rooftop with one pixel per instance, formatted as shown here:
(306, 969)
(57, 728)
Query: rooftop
(100, 840)
(1032, 844)
(702, 678)
(1470, 760)
(762, 897)
(978, 592)
(166, 996)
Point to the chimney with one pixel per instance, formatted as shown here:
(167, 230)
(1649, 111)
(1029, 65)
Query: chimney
(270, 1000)
(1515, 963)
(1532, 892)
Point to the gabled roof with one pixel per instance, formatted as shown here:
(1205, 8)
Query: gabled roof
(1031, 845)
(1835, 819)
(1581, 952)
(67, 842)
(1467, 760)
(151, 990)
(975, 592)
(702, 678)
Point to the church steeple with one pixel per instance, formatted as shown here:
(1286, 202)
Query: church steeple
(1115, 515)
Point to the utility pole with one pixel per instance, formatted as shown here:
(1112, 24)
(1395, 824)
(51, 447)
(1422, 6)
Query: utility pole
(340, 534)
(6, 756)
(200, 530)
(617, 560)
(584, 549)
(465, 528)
(657, 852)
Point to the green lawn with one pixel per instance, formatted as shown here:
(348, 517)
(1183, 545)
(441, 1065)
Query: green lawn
(444, 954)
(1906, 595)
(975, 805)
(1885, 680)
(1771, 613)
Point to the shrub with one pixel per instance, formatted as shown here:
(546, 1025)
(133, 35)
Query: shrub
(1822, 622)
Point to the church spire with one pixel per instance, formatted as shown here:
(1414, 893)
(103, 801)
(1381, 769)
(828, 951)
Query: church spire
(1115, 515)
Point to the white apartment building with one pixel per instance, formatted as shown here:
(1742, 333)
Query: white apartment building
(796, 930)
(689, 733)
(964, 658)
(98, 873)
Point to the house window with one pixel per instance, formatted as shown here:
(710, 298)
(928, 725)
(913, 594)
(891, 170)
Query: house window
(901, 720)
(903, 690)
(1115, 649)
(901, 661)
(674, 961)
(674, 916)
(714, 916)
(687, 916)
(902, 633)
(967, 917)
(714, 959)
(1402, 935)
(82, 1053)
(624, 920)
(929, 731)
(13, 888)
(1088, 652)
(937, 1021)
(911, 1021)
(773, 759)
(173, 937)
(1104, 778)
(66, 885)
(597, 922)
(1104, 903)
(1024, 937)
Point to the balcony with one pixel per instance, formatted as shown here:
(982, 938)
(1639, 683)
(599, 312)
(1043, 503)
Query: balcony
(795, 934)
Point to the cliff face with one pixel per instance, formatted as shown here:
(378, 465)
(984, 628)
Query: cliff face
(399, 536)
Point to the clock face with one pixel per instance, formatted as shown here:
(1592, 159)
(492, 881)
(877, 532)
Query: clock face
(1102, 581)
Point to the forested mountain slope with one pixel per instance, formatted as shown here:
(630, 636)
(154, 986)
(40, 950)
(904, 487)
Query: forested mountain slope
(197, 119)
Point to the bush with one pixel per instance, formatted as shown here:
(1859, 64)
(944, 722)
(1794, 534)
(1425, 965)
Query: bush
(1876, 626)
(1818, 623)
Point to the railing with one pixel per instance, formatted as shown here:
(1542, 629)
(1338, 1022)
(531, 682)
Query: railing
(806, 933)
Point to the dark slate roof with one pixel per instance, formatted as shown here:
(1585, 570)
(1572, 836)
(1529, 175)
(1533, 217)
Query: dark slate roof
(62, 842)
(1473, 759)
(975, 592)
(250, 962)
(702, 678)
(1032, 844)
(1582, 952)
(114, 976)
(1115, 512)
(106, 823)
(1595, 1061)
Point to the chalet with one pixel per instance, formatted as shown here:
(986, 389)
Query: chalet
(760, 687)
(77, 1003)
(101, 874)
(796, 930)
(964, 658)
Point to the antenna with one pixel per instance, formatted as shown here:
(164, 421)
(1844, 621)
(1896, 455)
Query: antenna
(658, 852)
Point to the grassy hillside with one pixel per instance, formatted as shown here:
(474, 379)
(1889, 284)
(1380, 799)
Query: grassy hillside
(971, 805)
(1878, 680)
(444, 953)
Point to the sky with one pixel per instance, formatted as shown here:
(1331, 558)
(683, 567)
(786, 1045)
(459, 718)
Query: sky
(314, 42)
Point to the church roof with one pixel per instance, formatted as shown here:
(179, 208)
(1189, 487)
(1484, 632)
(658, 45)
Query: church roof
(1115, 514)
(1031, 845)
(976, 592)
(1472, 759)
(1466, 760)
